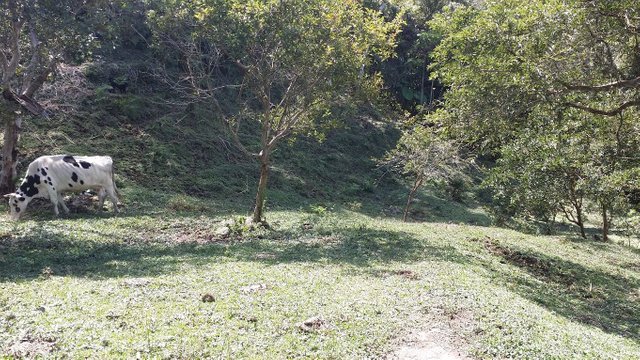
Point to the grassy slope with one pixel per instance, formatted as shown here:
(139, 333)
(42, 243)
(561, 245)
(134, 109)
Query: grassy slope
(368, 275)
(370, 278)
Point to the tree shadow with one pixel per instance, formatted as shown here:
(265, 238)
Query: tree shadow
(435, 209)
(82, 207)
(105, 254)
(581, 294)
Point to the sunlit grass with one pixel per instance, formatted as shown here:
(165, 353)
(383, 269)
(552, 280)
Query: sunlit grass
(94, 285)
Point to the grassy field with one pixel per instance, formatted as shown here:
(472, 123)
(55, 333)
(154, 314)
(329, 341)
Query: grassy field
(157, 282)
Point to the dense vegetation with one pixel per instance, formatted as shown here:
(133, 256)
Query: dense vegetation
(355, 164)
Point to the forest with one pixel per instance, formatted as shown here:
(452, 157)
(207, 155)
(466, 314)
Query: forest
(393, 179)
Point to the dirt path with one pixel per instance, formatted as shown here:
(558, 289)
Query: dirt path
(436, 343)
(438, 336)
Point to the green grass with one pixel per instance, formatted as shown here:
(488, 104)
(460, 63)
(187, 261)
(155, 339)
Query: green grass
(91, 285)
(94, 285)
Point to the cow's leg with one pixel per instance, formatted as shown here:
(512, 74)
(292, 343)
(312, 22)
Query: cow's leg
(101, 195)
(114, 199)
(64, 206)
(54, 201)
(53, 196)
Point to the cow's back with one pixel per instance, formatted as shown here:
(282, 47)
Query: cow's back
(73, 173)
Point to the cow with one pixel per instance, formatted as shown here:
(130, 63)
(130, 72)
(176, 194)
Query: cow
(50, 176)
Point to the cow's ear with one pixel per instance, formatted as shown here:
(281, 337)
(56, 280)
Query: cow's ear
(10, 195)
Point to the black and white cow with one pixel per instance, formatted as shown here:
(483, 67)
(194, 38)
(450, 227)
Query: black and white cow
(50, 176)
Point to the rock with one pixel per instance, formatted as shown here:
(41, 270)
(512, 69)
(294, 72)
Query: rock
(223, 231)
(208, 298)
(312, 324)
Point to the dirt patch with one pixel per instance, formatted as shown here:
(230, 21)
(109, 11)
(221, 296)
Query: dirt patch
(437, 338)
(407, 274)
(30, 348)
(431, 344)
(540, 266)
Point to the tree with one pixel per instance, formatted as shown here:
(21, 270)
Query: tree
(542, 173)
(36, 36)
(541, 81)
(277, 67)
(426, 157)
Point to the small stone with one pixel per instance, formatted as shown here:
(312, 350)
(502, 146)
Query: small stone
(223, 231)
(312, 324)
(112, 316)
(208, 298)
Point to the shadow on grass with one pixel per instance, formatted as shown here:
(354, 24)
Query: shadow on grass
(581, 294)
(97, 254)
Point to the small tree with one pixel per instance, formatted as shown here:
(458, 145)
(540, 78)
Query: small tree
(274, 66)
(35, 36)
(426, 157)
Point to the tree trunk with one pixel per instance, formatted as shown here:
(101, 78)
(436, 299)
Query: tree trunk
(262, 188)
(605, 222)
(9, 153)
(580, 221)
(412, 193)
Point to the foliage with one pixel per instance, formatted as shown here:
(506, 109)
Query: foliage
(406, 75)
(37, 35)
(279, 66)
(423, 153)
(522, 89)
(426, 157)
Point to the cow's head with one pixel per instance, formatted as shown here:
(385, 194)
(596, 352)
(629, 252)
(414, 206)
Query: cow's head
(17, 204)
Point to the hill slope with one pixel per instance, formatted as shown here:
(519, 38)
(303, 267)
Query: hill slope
(112, 287)
(160, 281)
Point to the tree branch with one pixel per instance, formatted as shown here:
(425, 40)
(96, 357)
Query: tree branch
(3, 62)
(15, 52)
(237, 142)
(26, 102)
(38, 79)
(621, 84)
(32, 70)
(611, 112)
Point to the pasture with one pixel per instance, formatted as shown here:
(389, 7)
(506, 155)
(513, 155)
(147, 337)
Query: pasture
(158, 282)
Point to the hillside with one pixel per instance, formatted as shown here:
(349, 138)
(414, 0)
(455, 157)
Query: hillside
(163, 152)
(159, 282)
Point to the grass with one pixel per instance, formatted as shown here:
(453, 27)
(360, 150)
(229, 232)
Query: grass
(93, 285)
